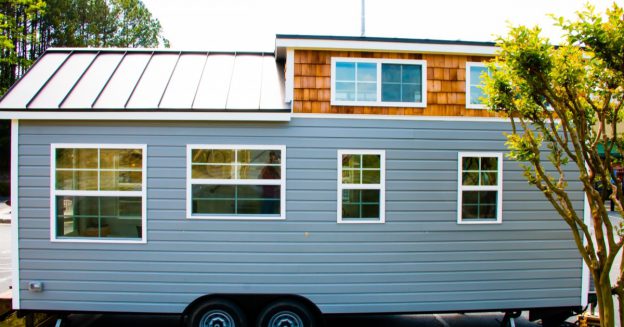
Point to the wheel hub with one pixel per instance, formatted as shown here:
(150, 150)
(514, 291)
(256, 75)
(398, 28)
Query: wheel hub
(286, 319)
(217, 318)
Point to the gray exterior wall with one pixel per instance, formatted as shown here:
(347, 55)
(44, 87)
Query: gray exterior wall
(419, 260)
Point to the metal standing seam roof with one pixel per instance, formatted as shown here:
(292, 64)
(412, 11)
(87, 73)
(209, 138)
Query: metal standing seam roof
(145, 79)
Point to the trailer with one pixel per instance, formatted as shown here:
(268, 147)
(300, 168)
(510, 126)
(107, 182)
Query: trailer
(336, 175)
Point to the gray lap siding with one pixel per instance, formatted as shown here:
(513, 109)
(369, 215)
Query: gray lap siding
(419, 260)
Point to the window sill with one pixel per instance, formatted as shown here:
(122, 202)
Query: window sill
(98, 240)
(379, 104)
(479, 222)
(245, 218)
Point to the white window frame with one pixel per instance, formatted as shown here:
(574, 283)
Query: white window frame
(379, 62)
(381, 187)
(190, 181)
(469, 66)
(498, 187)
(53, 193)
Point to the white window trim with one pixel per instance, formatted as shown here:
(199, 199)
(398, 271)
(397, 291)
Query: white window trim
(190, 181)
(379, 103)
(54, 193)
(381, 188)
(498, 187)
(469, 105)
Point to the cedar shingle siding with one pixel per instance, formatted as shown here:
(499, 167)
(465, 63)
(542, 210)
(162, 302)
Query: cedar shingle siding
(446, 84)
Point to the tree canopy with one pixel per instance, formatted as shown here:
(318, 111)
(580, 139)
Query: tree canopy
(565, 106)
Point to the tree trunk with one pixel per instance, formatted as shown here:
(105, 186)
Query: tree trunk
(605, 302)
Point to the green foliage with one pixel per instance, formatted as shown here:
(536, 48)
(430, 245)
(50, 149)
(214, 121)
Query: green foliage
(563, 102)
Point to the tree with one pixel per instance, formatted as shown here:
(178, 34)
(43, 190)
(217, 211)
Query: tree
(564, 103)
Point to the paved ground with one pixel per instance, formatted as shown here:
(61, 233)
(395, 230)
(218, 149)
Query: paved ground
(5, 257)
(448, 320)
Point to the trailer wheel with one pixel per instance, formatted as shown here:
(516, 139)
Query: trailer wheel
(287, 314)
(217, 313)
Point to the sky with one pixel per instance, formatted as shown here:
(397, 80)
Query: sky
(251, 25)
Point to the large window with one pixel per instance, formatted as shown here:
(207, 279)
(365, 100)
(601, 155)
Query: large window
(480, 189)
(98, 192)
(236, 181)
(378, 82)
(361, 186)
(474, 84)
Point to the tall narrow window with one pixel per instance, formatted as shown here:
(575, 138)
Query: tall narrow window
(361, 186)
(98, 192)
(474, 84)
(480, 188)
(232, 182)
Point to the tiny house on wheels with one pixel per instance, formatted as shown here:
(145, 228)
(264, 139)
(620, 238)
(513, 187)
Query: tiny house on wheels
(337, 175)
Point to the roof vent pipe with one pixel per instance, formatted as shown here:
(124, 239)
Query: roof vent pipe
(363, 22)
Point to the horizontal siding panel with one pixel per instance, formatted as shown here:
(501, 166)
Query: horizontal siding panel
(419, 260)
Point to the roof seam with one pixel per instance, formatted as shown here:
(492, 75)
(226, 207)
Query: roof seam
(60, 105)
(162, 96)
(48, 80)
(138, 81)
(123, 57)
(201, 76)
(227, 95)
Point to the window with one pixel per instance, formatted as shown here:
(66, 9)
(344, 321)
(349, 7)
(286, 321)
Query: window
(474, 84)
(361, 186)
(480, 190)
(98, 193)
(378, 82)
(236, 182)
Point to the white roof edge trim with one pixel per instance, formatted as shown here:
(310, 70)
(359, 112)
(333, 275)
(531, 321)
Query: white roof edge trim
(169, 116)
(400, 117)
(386, 46)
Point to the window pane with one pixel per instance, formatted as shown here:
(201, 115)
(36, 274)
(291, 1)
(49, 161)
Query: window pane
(345, 71)
(475, 94)
(366, 72)
(475, 75)
(470, 163)
(367, 92)
(370, 196)
(212, 172)
(120, 180)
(470, 178)
(412, 74)
(479, 204)
(391, 73)
(489, 163)
(259, 172)
(411, 93)
(76, 158)
(370, 177)
(351, 160)
(391, 92)
(371, 160)
(360, 204)
(121, 158)
(81, 216)
(351, 176)
(77, 180)
(258, 199)
(370, 211)
(224, 156)
(259, 156)
(213, 199)
(489, 178)
(345, 91)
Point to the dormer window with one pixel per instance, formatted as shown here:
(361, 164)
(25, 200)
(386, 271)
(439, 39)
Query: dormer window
(474, 84)
(378, 82)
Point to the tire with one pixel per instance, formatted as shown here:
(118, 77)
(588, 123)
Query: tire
(287, 314)
(217, 313)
